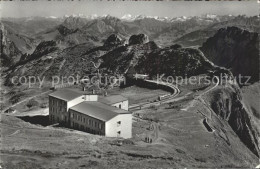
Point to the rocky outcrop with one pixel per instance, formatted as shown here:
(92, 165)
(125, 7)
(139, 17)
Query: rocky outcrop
(121, 58)
(235, 49)
(63, 30)
(74, 22)
(227, 103)
(113, 40)
(9, 51)
(138, 39)
(174, 61)
(150, 59)
(42, 49)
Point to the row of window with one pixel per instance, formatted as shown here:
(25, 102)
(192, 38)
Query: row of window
(57, 102)
(53, 118)
(87, 129)
(57, 109)
(88, 121)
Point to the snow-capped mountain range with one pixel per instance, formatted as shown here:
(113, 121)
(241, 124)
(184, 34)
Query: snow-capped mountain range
(129, 17)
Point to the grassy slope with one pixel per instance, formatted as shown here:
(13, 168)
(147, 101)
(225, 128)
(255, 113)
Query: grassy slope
(183, 142)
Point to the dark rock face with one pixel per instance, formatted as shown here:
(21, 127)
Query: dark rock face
(8, 53)
(113, 40)
(42, 49)
(149, 58)
(176, 46)
(9, 50)
(65, 31)
(121, 58)
(174, 61)
(235, 49)
(227, 103)
(138, 39)
(45, 47)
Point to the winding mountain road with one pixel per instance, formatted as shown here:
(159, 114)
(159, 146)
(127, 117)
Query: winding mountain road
(175, 93)
(200, 96)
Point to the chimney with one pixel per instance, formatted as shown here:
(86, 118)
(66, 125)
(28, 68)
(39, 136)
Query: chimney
(93, 91)
(84, 88)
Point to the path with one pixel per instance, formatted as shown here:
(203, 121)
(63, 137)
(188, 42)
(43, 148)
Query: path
(200, 96)
(27, 99)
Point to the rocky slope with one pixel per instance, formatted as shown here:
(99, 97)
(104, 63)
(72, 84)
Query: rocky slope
(235, 49)
(120, 59)
(227, 104)
(138, 39)
(174, 61)
(250, 95)
(113, 40)
(147, 57)
(116, 56)
(13, 45)
(9, 52)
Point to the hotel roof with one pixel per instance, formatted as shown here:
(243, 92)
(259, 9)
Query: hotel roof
(98, 110)
(112, 99)
(66, 94)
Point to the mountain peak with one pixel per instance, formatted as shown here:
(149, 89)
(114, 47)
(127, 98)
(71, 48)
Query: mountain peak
(127, 17)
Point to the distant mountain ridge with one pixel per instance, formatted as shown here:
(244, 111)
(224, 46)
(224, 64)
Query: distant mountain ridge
(69, 31)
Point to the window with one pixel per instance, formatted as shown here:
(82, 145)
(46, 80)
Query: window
(118, 133)
(119, 106)
(81, 127)
(84, 119)
(96, 124)
(100, 126)
(71, 115)
(118, 123)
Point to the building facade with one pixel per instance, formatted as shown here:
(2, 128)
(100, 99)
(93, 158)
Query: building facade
(59, 104)
(83, 122)
(119, 126)
(107, 116)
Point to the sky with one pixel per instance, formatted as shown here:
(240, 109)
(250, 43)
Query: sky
(57, 8)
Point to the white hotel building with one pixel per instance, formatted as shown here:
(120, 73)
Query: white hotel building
(106, 115)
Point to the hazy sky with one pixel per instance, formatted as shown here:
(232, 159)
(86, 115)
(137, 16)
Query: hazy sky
(119, 8)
